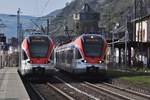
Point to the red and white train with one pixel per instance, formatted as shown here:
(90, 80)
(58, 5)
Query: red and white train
(83, 55)
(36, 56)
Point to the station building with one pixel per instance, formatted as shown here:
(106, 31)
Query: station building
(136, 41)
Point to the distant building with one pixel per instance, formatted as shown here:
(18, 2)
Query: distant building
(2, 38)
(3, 44)
(3, 50)
(86, 20)
(13, 42)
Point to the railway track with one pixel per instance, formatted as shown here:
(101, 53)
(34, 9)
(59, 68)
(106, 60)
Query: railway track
(66, 88)
(79, 90)
(60, 92)
(38, 94)
(105, 91)
(47, 91)
(72, 91)
(119, 92)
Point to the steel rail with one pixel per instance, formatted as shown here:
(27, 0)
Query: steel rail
(60, 92)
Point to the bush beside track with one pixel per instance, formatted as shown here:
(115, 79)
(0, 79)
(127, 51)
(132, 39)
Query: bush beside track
(135, 78)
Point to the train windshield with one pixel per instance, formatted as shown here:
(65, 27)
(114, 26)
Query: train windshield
(93, 45)
(39, 46)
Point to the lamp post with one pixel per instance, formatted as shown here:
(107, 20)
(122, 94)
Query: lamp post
(113, 40)
(126, 39)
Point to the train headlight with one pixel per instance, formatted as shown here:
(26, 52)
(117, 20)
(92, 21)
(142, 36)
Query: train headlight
(101, 61)
(92, 37)
(84, 61)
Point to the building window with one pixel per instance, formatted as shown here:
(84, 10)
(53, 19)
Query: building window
(141, 31)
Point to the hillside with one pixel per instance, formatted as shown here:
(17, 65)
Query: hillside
(111, 12)
(11, 23)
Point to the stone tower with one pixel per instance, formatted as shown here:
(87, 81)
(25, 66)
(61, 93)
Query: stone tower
(86, 21)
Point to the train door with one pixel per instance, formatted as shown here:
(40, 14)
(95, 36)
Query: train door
(55, 57)
(77, 57)
(23, 59)
(51, 59)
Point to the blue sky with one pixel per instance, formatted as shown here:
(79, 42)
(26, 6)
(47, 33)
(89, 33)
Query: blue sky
(31, 7)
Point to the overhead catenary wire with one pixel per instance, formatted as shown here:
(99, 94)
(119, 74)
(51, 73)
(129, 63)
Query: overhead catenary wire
(38, 13)
(45, 6)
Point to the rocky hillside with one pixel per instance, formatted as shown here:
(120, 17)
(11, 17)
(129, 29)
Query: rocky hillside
(111, 11)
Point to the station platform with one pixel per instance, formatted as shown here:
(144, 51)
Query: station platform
(11, 86)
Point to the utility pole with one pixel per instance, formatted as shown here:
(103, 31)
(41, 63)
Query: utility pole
(18, 36)
(67, 30)
(113, 41)
(47, 26)
(113, 47)
(126, 33)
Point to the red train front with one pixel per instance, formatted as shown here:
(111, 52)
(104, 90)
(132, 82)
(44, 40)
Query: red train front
(36, 56)
(85, 54)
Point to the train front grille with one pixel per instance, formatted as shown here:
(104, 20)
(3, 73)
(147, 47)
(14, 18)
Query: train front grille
(38, 69)
(92, 69)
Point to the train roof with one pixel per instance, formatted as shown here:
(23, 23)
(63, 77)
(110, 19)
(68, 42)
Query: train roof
(33, 35)
(43, 35)
(71, 44)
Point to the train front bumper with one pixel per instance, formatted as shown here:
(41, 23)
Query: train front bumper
(89, 68)
(37, 69)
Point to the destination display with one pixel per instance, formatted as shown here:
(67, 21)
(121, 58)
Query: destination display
(39, 39)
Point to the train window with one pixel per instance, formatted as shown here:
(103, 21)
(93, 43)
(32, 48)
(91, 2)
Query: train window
(52, 55)
(65, 56)
(60, 57)
(77, 54)
(39, 46)
(57, 57)
(93, 46)
(69, 56)
(24, 56)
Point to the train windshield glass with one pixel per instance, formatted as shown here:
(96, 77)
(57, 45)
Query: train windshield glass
(93, 45)
(39, 46)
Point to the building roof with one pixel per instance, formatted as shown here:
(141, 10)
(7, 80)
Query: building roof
(141, 18)
(87, 9)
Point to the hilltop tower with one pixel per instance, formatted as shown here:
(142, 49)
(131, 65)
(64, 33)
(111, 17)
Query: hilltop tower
(86, 20)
